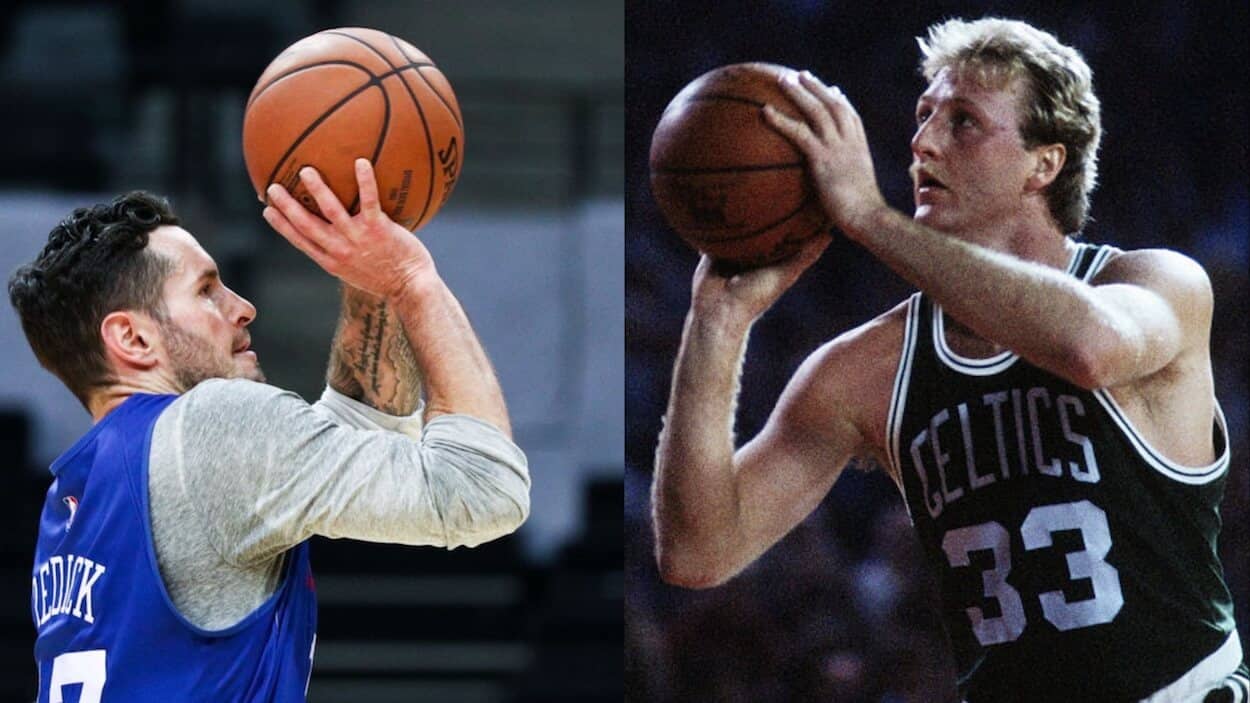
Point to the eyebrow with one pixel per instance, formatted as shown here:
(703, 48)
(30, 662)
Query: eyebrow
(960, 101)
(957, 99)
(210, 274)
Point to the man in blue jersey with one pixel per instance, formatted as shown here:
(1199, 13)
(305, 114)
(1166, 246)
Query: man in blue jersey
(1046, 407)
(172, 562)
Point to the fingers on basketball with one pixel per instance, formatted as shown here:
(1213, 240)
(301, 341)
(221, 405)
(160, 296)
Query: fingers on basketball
(367, 184)
(326, 200)
(283, 226)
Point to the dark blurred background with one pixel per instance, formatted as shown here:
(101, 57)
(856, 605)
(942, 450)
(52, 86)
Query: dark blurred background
(841, 610)
(99, 97)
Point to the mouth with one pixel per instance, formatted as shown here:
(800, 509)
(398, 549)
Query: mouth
(926, 182)
(244, 346)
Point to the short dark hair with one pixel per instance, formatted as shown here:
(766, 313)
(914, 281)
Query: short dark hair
(96, 261)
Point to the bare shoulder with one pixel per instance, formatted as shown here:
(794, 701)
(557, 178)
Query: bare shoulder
(1179, 280)
(849, 380)
(1155, 268)
(863, 345)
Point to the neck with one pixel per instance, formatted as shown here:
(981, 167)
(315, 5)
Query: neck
(1035, 239)
(107, 399)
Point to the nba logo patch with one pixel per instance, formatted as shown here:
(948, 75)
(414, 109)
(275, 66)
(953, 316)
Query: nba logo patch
(72, 503)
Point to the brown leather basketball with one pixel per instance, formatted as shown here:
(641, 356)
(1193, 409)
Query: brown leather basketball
(342, 94)
(729, 184)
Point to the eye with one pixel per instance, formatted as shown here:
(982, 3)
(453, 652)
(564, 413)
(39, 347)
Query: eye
(964, 119)
(922, 116)
(206, 289)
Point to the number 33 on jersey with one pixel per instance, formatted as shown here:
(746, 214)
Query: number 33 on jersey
(1069, 551)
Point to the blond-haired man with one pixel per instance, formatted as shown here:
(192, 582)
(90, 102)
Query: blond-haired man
(1046, 407)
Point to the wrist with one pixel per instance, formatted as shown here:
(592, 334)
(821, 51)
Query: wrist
(351, 295)
(416, 287)
(862, 223)
(720, 322)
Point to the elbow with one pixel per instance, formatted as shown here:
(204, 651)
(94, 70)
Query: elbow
(675, 575)
(517, 516)
(489, 526)
(1083, 367)
(488, 515)
(1088, 362)
(512, 509)
(687, 570)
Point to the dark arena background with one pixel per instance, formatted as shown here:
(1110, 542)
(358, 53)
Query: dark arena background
(841, 610)
(103, 97)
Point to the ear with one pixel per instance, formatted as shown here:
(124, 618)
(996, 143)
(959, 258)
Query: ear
(130, 340)
(1049, 160)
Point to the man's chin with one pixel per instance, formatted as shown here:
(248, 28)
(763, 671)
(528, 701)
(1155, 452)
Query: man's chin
(252, 374)
(930, 217)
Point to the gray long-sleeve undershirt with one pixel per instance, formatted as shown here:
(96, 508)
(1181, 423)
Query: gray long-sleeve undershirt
(240, 472)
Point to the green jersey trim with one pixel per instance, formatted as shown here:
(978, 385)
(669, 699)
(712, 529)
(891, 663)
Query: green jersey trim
(987, 366)
(1192, 475)
(902, 378)
(1002, 361)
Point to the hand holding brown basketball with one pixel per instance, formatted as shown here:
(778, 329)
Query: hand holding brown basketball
(350, 93)
(367, 250)
(830, 134)
(727, 182)
(747, 293)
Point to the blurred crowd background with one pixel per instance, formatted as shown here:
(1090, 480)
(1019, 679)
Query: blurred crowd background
(101, 97)
(841, 609)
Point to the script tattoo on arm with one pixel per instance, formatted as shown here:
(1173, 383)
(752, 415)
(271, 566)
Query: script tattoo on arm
(370, 359)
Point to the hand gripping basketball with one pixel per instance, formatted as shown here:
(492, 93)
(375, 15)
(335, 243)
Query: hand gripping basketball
(369, 250)
(831, 136)
(354, 91)
(748, 293)
(727, 183)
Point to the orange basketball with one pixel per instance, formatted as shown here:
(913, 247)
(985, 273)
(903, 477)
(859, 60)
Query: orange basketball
(342, 94)
(729, 184)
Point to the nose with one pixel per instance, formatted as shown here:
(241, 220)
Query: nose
(924, 143)
(245, 311)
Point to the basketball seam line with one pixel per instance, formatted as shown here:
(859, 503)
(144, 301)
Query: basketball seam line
(336, 62)
(727, 97)
(260, 90)
(429, 142)
(455, 114)
(386, 120)
(373, 82)
(755, 232)
(377, 148)
(417, 65)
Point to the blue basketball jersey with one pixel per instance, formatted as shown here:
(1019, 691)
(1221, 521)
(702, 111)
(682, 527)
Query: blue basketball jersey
(107, 629)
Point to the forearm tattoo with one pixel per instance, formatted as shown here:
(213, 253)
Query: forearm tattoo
(370, 359)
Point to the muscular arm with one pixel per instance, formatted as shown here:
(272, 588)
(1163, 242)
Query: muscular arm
(370, 252)
(459, 376)
(370, 359)
(717, 510)
(1143, 311)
